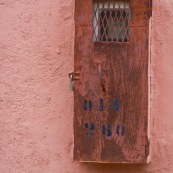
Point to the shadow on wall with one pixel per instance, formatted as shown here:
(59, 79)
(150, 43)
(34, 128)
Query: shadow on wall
(111, 167)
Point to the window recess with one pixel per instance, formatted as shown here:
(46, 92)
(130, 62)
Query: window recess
(111, 21)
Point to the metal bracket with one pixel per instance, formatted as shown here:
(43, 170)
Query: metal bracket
(73, 76)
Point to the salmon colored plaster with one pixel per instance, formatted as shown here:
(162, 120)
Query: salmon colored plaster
(36, 105)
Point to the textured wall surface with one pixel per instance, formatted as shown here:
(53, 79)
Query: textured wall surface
(36, 106)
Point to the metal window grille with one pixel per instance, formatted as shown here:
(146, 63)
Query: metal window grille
(111, 21)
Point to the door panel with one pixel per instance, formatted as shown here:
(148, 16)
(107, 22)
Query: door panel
(111, 97)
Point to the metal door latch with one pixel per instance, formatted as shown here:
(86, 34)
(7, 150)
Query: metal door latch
(72, 78)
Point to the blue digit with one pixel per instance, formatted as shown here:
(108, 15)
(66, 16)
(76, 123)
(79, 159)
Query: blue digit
(116, 105)
(104, 130)
(90, 105)
(86, 125)
(118, 130)
(107, 130)
(85, 105)
(101, 105)
(122, 128)
(92, 126)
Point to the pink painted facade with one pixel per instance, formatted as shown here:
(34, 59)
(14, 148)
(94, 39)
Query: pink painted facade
(36, 105)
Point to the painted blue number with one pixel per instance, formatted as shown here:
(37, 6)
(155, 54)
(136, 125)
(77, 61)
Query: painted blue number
(91, 128)
(90, 105)
(106, 130)
(101, 105)
(120, 130)
(87, 105)
(116, 105)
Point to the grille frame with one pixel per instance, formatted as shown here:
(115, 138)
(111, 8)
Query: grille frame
(115, 21)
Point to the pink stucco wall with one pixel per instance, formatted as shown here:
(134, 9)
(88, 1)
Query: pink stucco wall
(36, 106)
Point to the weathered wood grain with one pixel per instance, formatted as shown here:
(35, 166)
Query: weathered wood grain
(111, 97)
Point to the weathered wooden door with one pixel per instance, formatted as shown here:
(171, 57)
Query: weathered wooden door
(111, 97)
